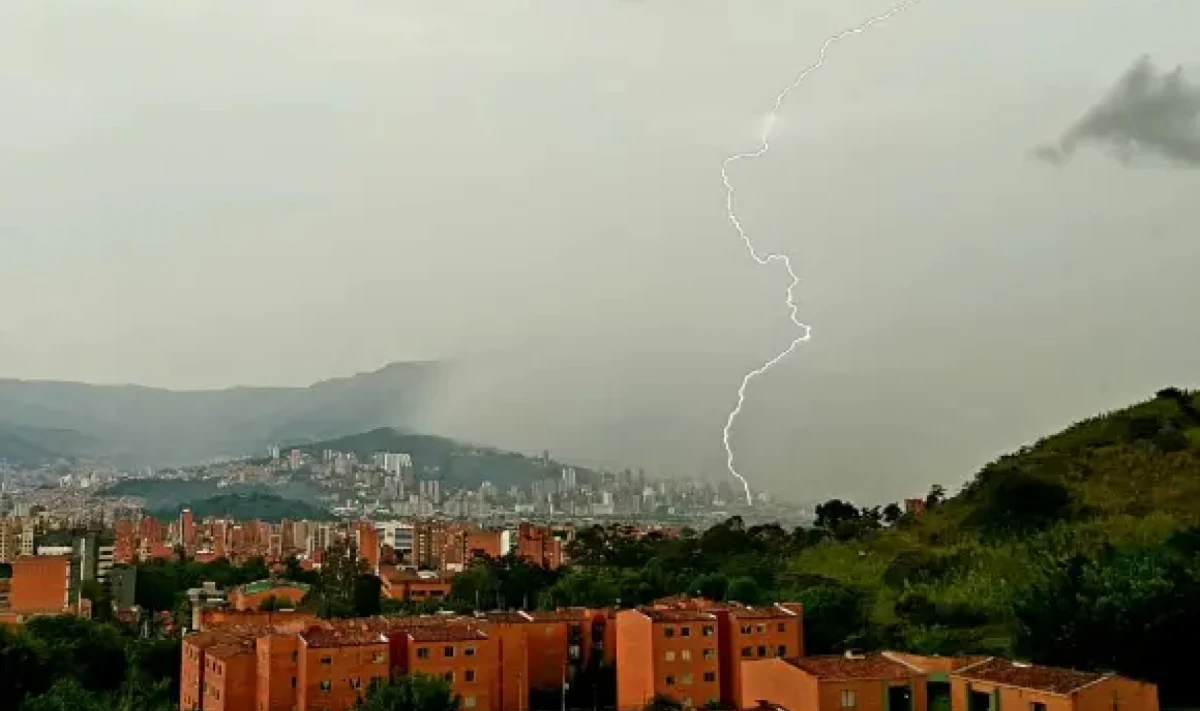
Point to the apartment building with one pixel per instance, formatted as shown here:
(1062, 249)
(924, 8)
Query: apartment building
(891, 681)
(337, 665)
(995, 684)
(755, 633)
(667, 652)
(41, 585)
(409, 585)
(462, 654)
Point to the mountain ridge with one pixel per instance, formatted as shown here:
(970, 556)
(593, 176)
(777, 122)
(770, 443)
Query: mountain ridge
(143, 425)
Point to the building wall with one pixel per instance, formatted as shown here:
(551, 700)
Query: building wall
(229, 682)
(1117, 694)
(778, 636)
(547, 645)
(635, 659)
(470, 667)
(335, 677)
(191, 676)
(278, 672)
(510, 687)
(869, 694)
(1007, 697)
(686, 661)
(40, 584)
(780, 683)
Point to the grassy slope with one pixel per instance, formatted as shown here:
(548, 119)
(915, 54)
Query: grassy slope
(1124, 490)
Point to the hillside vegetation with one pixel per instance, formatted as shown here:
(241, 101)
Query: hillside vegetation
(449, 460)
(1081, 550)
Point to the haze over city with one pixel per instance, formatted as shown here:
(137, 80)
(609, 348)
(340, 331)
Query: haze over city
(278, 193)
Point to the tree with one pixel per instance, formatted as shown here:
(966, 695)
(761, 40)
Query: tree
(1125, 610)
(334, 593)
(663, 703)
(835, 512)
(892, 513)
(935, 497)
(745, 591)
(412, 692)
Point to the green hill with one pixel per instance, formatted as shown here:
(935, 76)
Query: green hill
(449, 460)
(244, 507)
(1080, 549)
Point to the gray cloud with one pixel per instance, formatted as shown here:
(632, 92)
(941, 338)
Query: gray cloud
(1146, 112)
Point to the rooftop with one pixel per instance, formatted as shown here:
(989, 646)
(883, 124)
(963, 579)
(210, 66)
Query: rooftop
(445, 633)
(1028, 676)
(259, 586)
(656, 615)
(343, 635)
(842, 666)
(770, 612)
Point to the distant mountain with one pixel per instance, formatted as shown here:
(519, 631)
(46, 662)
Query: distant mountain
(453, 462)
(243, 507)
(134, 425)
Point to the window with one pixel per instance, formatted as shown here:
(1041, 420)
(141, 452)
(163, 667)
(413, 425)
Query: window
(469, 675)
(710, 677)
(762, 650)
(422, 652)
(707, 631)
(747, 629)
(668, 632)
(293, 682)
(686, 655)
(686, 680)
(449, 676)
(356, 683)
(1116, 701)
(710, 654)
(762, 628)
(327, 660)
(469, 702)
(781, 650)
(378, 657)
(295, 656)
(848, 700)
(1037, 706)
(468, 651)
(448, 652)
(326, 685)
(669, 656)
(670, 680)
(747, 652)
(782, 627)
(685, 631)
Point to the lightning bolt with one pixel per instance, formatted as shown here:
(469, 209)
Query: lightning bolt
(805, 331)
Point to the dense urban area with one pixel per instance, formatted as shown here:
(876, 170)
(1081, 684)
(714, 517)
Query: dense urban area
(327, 578)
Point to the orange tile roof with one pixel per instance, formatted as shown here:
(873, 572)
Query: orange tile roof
(344, 636)
(448, 633)
(771, 612)
(505, 617)
(840, 666)
(677, 615)
(1028, 676)
(558, 616)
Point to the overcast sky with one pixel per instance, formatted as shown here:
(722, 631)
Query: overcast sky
(201, 194)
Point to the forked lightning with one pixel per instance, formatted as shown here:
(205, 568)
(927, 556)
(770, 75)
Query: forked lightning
(764, 146)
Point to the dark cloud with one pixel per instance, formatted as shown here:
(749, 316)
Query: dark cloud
(1147, 112)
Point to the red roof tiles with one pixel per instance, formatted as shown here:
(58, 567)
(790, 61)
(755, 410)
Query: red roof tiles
(677, 615)
(1028, 676)
(448, 633)
(870, 666)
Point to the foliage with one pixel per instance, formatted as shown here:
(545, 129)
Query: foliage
(69, 664)
(412, 692)
(343, 587)
(163, 584)
(254, 505)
